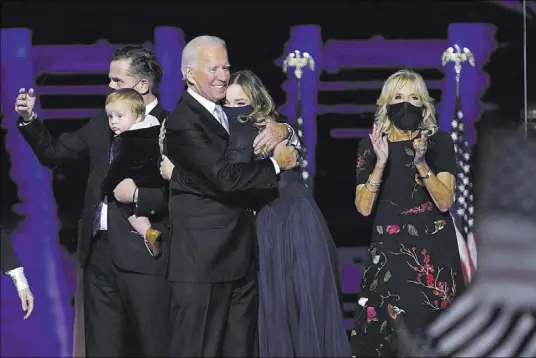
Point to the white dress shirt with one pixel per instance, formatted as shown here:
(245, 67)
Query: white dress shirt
(148, 121)
(211, 107)
(18, 277)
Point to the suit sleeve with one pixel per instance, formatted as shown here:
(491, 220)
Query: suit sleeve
(293, 139)
(51, 151)
(190, 149)
(8, 258)
(151, 201)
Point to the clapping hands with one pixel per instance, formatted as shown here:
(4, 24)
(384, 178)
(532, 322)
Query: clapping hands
(379, 143)
(421, 146)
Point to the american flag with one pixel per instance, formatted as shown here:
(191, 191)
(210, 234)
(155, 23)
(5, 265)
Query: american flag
(462, 209)
(300, 132)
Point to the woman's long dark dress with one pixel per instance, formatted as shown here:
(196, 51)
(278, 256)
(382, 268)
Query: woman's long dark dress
(413, 271)
(299, 307)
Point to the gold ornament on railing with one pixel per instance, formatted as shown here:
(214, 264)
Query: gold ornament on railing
(458, 57)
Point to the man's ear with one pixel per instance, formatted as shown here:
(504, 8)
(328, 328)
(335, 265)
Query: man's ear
(190, 75)
(144, 86)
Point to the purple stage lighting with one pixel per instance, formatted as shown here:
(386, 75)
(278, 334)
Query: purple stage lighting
(48, 332)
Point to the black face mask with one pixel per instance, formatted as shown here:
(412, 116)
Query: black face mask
(405, 116)
(240, 113)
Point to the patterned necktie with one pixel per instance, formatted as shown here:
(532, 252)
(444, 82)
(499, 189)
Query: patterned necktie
(221, 117)
(98, 212)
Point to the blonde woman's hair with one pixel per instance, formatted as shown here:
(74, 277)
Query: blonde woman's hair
(392, 85)
(260, 100)
(131, 97)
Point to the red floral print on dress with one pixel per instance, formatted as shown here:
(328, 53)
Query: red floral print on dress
(392, 229)
(371, 314)
(428, 206)
(361, 163)
(428, 277)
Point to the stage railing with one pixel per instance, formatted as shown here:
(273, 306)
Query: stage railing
(335, 55)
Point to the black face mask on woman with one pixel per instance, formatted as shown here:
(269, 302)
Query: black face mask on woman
(405, 116)
(240, 113)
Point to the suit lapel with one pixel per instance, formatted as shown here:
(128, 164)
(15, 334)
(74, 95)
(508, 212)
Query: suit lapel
(206, 117)
(102, 142)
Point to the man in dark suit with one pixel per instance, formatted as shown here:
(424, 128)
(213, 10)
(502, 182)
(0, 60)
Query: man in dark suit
(215, 297)
(125, 290)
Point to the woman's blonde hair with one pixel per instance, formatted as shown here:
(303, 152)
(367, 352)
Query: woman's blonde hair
(260, 100)
(392, 85)
(131, 97)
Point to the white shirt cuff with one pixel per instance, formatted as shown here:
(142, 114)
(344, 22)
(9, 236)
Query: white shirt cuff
(19, 279)
(24, 123)
(32, 118)
(276, 166)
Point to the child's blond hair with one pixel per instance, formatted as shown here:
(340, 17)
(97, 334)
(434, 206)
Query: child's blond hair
(131, 97)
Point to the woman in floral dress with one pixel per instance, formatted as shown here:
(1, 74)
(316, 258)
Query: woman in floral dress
(405, 178)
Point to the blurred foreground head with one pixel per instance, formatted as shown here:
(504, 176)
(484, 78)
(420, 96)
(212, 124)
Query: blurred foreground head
(531, 116)
(504, 184)
(505, 212)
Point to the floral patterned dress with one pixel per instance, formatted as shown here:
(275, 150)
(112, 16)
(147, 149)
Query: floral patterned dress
(413, 271)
